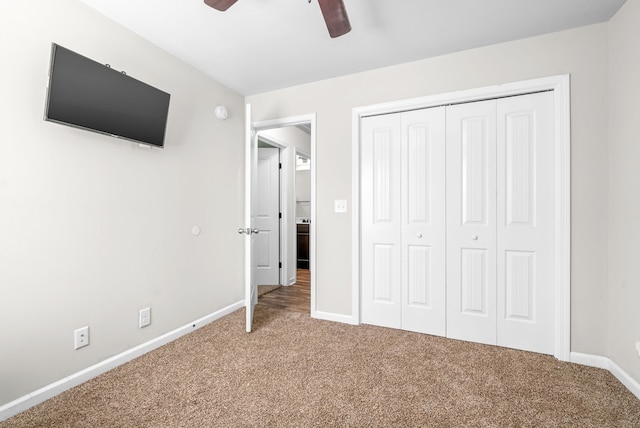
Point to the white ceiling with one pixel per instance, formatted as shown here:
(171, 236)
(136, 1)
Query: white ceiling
(262, 45)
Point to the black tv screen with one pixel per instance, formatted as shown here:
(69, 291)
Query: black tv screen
(93, 96)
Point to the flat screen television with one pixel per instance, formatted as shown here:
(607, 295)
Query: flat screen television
(86, 94)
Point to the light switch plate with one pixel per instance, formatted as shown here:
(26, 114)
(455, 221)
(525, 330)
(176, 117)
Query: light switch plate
(340, 206)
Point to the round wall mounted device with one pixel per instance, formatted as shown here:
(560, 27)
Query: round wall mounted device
(221, 112)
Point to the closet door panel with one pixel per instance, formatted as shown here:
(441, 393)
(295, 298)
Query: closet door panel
(471, 221)
(457, 221)
(381, 223)
(525, 223)
(423, 221)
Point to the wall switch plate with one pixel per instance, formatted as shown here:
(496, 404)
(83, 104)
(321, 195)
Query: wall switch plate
(144, 318)
(81, 337)
(340, 206)
(638, 348)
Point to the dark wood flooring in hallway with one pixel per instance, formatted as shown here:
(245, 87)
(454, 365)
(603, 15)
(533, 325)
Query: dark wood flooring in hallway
(296, 297)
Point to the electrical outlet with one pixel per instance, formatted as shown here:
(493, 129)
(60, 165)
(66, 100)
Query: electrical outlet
(81, 337)
(144, 318)
(638, 348)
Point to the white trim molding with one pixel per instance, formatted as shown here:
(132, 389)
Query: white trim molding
(36, 397)
(329, 316)
(560, 85)
(605, 363)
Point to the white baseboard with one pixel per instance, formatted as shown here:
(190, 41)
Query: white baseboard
(36, 397)
(607, 364)
(329, 316)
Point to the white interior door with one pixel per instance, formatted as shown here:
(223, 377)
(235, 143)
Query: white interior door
(525, 223)
(403, 221)
(500, 231)
(457, 221)
(381, 223)
(471, 221)
(423, 221)
(250, 230)
(268, 217)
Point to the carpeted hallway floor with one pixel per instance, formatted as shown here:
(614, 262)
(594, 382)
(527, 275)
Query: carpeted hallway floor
(300, 372)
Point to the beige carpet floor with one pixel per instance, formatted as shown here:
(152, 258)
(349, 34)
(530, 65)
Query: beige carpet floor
(295, 371)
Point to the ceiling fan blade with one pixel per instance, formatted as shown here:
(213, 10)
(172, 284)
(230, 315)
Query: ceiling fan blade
(220, 5)
(335, 15)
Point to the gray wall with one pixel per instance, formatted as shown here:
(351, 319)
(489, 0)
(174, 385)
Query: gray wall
(92, 228)
(624, 186)
(582, 52)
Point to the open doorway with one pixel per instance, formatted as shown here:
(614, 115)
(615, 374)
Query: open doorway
(293, 142)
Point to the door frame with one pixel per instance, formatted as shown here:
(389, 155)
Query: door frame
(560, 85)
(292, 121)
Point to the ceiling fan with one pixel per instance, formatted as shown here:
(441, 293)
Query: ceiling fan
(333, 11)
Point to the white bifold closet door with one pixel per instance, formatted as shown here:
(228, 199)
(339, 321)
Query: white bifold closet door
(500, 222)
(403, 221)
(381, 208)
(526, 223)
(457, 221)
(471, 222)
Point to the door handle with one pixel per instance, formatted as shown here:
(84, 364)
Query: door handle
(248, 231)
(474, 237)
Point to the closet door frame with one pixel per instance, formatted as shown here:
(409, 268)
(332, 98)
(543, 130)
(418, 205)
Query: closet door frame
(560, 85)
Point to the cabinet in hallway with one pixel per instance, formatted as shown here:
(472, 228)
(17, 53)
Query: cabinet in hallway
(302, 235)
